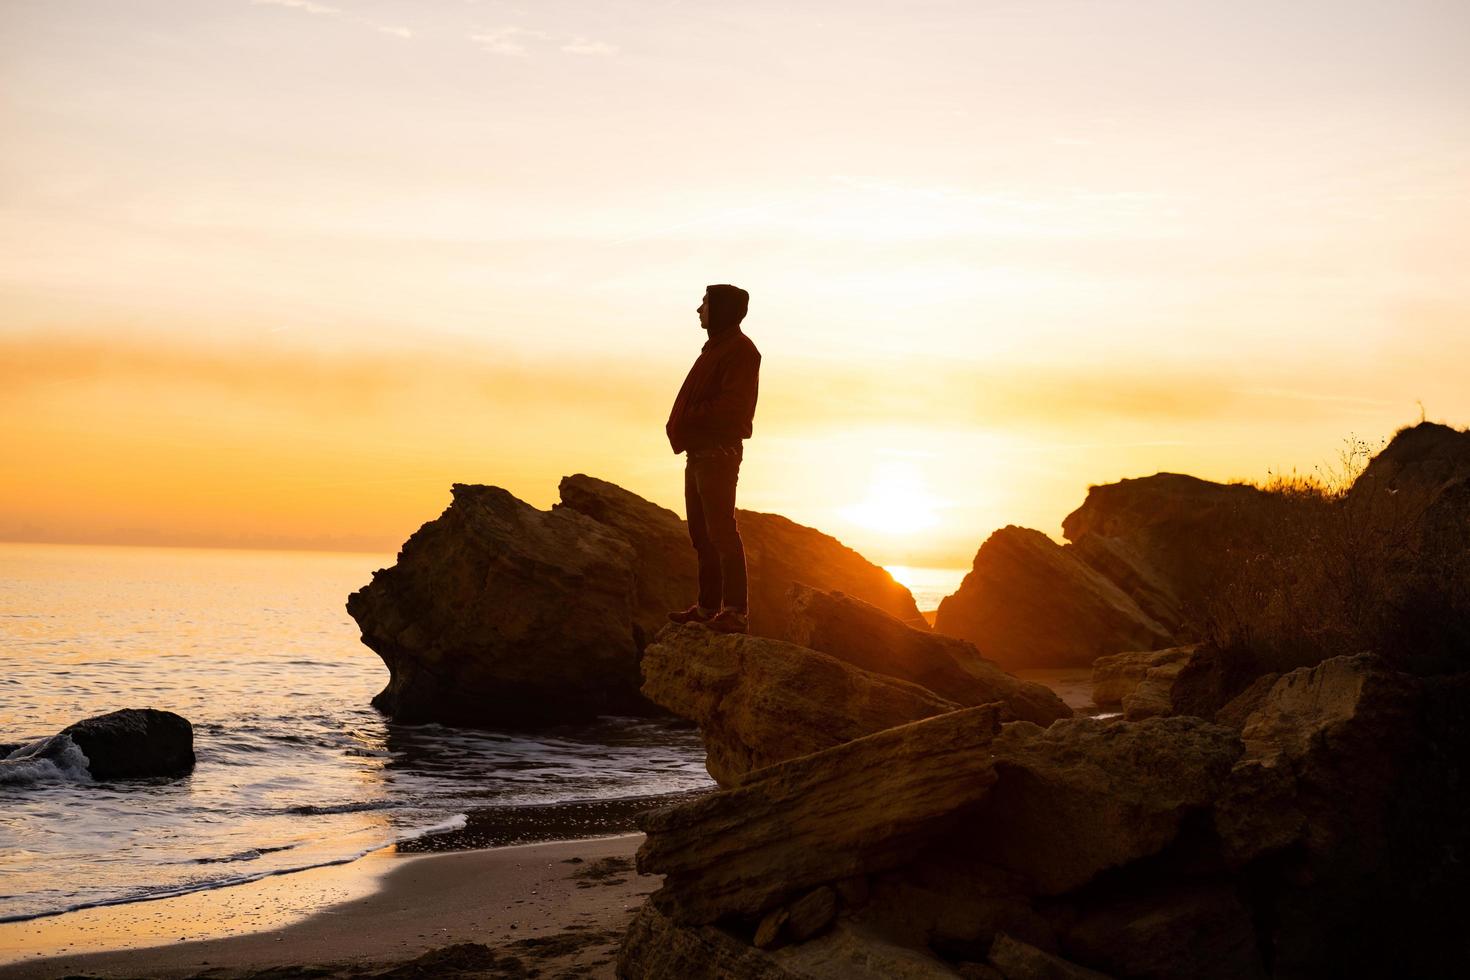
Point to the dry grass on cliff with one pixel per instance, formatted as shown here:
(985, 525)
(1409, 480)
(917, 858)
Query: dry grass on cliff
(1346, 566)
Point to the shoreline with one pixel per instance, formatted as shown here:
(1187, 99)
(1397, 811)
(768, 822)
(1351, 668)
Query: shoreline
(561, 903)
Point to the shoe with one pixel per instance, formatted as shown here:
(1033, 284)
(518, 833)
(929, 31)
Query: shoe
(729, 621)
(694, 614)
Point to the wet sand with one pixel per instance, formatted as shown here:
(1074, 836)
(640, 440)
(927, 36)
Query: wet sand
(558, 908)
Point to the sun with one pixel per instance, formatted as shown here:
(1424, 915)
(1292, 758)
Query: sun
(898, 502)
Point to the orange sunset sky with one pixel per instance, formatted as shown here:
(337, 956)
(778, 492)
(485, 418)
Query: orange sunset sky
(276, 273)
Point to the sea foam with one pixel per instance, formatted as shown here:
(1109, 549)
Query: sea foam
(53, 759)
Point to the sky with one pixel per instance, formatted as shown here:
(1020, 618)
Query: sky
(275, 273)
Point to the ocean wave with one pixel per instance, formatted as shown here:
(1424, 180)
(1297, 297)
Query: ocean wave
(247, 855)
(313, 810)
(53, 759)
(455, 822)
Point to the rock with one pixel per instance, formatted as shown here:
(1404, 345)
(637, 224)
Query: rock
(853, 892)
(1211, 677)
(1424, 460)
(1117, 561)
(851, 952)
(859, 807)
(665, 569)
(1177, 532)
(811, 913)
(654, 948)
(498, 614)
(1193, 929)
(949, 902)
(1084, 795)
(1020, 961)
(769, 931)
(135, 743)
(1153, 697)
(759, 701)
(867, 637)
(1350, 796)
(1243, 705)
(1117, 675)
(778, 552)
(1027, 602)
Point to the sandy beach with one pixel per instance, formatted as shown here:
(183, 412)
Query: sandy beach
(546, 909)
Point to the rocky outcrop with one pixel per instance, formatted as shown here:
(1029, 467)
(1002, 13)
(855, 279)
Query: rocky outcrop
(778, 552)
(135, 743)
(866, 637)
(863, 806)
(1028, 602)
(656, 947)
(759, 701)
(498, 614)
(1085, 796)
(1174, 531)
(1311, 842)
(1354, 785)
(1118, 675)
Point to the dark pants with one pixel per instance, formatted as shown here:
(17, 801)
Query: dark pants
(709, 502)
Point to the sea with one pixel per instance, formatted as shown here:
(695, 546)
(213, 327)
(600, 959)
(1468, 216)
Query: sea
(295, 768)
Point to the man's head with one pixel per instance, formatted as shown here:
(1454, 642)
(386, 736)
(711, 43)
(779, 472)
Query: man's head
(723, 308)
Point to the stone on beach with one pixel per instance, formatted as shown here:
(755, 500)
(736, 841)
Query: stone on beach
(759, 701)
(135, 743)
(857, 807)
(860, 634)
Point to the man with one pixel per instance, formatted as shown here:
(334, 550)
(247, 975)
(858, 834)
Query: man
(711, 415)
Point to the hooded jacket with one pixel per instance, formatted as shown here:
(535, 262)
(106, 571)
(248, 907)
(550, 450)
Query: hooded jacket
(716, 404)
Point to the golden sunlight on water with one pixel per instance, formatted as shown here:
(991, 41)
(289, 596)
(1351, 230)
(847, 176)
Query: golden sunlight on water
(929, 585)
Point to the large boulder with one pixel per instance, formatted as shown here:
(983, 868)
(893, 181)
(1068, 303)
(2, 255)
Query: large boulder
(778, 552)
(759, 701)
(1084, 796)
(134, 743)
(500, 614)
(1028, 602)
(865, 636)
(1174, 533)
(1352, 792)
(863, 806)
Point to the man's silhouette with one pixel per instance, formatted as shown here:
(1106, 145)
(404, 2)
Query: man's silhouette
(711, 415)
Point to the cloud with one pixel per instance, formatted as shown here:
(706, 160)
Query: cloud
(402, 32)
(308, 6)
(582, 45)
(516, 42)
(507, 41)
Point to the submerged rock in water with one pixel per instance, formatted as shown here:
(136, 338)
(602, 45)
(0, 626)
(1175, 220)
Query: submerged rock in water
(849, 629)
(1029, 602)
(134, 743)
(759, 701)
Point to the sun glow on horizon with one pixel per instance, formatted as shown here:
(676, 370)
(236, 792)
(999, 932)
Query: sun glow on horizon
(898, 501)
